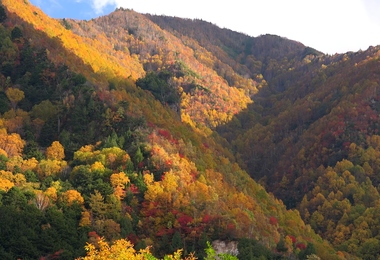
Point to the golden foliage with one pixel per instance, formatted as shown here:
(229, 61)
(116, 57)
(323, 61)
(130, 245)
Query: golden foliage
(123, 249)
(55, 151)
(119, 192)
(72, 196)
(85, 219)
(50, 167)
(97, 53)
(17, 179)
(6, 175)
(119, 180)
(51, 192)
(2, 152)
(148, 178)
(14, 161)
(12, 144)
(5, 184)
(29, 164)
(97, 166)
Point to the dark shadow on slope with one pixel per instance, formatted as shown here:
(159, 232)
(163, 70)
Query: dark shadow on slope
(282, 135)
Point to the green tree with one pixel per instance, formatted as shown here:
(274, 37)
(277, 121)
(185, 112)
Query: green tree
(16, 33)
(4, 102)
(126, 227)
(250, 248)
(310, 250)
(281, 247)
(31, 149)
(176, 242)
(44, 110)
(3, 14)
(15, 197)
(158, 85)
(370, 249)
(97, 205)
(139, 157)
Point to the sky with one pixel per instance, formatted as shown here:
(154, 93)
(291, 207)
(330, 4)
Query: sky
(330, 26)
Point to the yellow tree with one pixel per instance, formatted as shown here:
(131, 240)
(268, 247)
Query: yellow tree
(19, 179)
(123, 249)
(51, 192)
(50, 167)
(5, 184)
(55, 151)
(85, 154)
(118, 182)
(98, 167)
(85, 219)
(119, 179)
(13, 162)
(14, 95)
(28, 164)
(6, 175)
(12, 144)
(72, 196)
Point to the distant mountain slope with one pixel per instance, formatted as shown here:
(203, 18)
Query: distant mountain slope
(85, 152)
(246, 55)
(313, 144)
(311, 134)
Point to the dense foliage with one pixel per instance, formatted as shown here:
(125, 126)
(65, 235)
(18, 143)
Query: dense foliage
(107, 141)
(294, 139)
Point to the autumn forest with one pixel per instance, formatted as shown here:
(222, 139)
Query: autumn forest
(135, 136)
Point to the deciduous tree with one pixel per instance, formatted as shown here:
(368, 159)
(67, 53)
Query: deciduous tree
(14, 95)
(55, 151)
(72, 196)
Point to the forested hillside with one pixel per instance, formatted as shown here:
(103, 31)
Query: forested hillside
(310, 135)
(108, 135)
(314, 143)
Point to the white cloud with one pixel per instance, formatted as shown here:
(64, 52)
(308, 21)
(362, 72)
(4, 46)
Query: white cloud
(99, 5)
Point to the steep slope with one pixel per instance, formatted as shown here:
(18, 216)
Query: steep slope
(314, 112)
(206, 98)
(132, 168)
(314, 145)
(237, 53)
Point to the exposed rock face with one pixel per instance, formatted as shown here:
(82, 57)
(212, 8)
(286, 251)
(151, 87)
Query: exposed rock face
(223, 247)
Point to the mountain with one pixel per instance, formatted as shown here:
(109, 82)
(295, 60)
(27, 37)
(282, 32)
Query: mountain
(309, 136)
(248, 56)
(132, 126)
(312, 143)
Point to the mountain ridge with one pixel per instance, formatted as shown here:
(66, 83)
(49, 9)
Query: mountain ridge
(160, 174)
